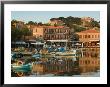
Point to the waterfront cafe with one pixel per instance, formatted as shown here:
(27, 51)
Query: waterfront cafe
(91, 43)
(66, 43)
(18, 44)
(36, 45)
(58, 42)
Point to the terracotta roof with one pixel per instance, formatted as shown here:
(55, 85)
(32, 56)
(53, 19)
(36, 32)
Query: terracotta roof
(54, 27)
(90, 31)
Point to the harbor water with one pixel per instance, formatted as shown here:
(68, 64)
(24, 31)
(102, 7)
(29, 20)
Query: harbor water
(82, 62)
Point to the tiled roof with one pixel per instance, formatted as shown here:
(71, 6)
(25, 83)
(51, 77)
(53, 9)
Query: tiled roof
(51, 27)
(54, 27)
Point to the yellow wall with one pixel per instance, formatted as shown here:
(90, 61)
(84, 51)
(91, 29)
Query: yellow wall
(38, 31)
(93, 36)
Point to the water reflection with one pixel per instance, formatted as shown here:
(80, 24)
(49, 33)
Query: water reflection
(83, 62)
(90, 61)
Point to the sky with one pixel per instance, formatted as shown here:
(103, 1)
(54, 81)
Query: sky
(45, 16)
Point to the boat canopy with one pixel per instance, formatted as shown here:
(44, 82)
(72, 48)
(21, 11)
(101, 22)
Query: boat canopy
(19, 42)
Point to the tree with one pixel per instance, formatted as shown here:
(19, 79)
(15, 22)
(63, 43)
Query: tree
(16, 34)
(74, 37)
(47, 24)
(95, 24)
(32, 23)
(13, 22)
(26, 32)
(55, 25)
(40, 38)
(53, 19)
(78, 28)
(19, 34)
(61, 18)
(40, 24)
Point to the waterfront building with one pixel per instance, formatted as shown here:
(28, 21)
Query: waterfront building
(86, 21)
(56, 33)
(89, 38)
(51, 32)
(19, 25)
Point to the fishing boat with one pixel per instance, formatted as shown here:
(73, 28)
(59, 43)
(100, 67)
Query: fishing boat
(36, 55)
(21, 69)
(68, 54)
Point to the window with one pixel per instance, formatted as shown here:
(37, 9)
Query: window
(92, 36)
(85, 36)
(86, 62)
(44, 30)
(95, 36)
(98, 36)
(36, 30)
(64, 30)
(80, 36)
(47, 30)
(60, 30)
(56, 30)
(92, 62)
(56, 36)
(88, 36)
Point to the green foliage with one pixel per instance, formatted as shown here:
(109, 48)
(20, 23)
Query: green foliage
(40, 24)
(69, 21)
(95, 24)
(40, 39)
(31, 23)
(17, 34)
(53, 19)
(12, 24)
(74, 37)
(26, 32)
(78, 28)
(61, 18)
(55, 25)
(76, 23)
(47, 24)
(14, 21)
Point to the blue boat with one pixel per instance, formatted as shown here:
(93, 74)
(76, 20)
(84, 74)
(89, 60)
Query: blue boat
(22, 70)
(36, 55)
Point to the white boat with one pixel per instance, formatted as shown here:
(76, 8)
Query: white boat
(67, 54)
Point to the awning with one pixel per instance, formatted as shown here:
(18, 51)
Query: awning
(58, 40)
(18, 42)
(77, 44)
(37, 43)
